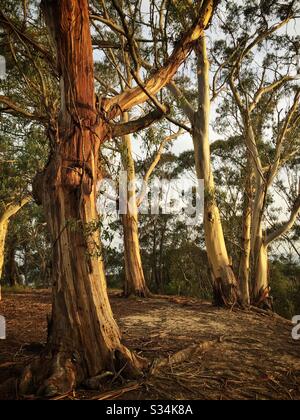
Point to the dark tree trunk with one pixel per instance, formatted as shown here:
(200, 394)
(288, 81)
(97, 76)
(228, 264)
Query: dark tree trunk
(11, 269)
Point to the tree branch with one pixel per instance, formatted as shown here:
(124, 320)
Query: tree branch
(248, 128)
(13, 209)
(123, 129)
(182, 100)
(132, 97)
(270, 88)
(282, 136)
(282, 230)
(15, 109)
(154, 164)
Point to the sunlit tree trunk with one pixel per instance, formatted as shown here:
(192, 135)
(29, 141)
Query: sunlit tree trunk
(135, 283)
(224, 281)
(261, 241)
(84, 339)
(7, 214)
(261, 289)
(245, 262)
(260, 293)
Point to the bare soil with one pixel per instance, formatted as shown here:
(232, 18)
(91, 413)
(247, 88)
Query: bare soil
(246, 355)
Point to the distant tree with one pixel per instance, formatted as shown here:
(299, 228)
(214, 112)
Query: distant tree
(260, 66)
(21, 152)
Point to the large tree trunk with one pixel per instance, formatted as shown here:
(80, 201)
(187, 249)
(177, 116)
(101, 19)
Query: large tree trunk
(135, 283)
(83, 337)
(224, 281)
(245, 262)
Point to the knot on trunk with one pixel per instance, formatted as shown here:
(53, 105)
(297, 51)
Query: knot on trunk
(78, 176)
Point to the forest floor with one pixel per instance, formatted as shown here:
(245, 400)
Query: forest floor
(230, 354)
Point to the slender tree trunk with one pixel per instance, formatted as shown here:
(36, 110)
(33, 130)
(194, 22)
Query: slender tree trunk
(3, 234)
(260, 294)
(135, 283)
(155, 274)
(8, 213)
(245, 262)
(11, 268)
(224, 281)
(261, 289)
(83, 337)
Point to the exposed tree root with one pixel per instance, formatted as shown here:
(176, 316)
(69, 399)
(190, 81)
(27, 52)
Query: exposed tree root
(142, 294)
(61, 374)
(182, 356)
(269, 313)
(50, 376)
(110, 395)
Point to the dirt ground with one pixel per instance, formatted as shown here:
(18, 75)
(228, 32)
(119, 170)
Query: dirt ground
(246, 355)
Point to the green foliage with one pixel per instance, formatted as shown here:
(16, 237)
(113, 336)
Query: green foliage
(29, 242)
(285, 285)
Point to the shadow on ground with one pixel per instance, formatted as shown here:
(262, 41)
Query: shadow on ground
(252, 355)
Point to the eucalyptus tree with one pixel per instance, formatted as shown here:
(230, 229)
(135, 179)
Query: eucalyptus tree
(22, 150)
(84, 339)
(195, 104)
(116, 78)
(258, 61)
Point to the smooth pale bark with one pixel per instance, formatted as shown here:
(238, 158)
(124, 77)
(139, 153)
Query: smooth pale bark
(7, 214)
(135, 283)
(224, 281)
(83, 338)
(260, 291)
(261, 288)
(245, 262)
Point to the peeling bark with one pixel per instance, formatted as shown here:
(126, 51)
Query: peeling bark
(83, 338)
